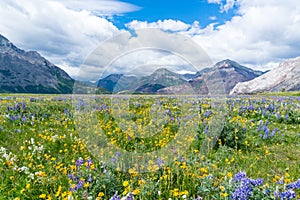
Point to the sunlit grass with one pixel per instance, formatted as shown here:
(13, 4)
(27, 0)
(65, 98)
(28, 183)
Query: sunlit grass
(42, 149)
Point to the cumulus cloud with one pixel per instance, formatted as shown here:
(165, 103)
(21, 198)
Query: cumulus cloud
(264, 32)
(167, 25)
(63, 31)
(143, 52)
(225, 6)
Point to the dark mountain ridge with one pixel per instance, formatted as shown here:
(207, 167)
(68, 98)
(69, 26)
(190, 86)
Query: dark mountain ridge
(28, 72)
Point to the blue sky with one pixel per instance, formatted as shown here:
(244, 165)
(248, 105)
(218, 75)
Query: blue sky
(255, 33)
(185, 11)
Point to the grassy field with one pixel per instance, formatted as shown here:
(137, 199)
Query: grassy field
(149, 147)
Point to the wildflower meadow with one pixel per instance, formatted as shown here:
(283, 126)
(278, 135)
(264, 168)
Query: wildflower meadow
(61, 147)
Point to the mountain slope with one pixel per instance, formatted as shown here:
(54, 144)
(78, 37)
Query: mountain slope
(116, 82)
(160, 78)
(29, 72)
(284, 77)
(163, 77)
(220, 78)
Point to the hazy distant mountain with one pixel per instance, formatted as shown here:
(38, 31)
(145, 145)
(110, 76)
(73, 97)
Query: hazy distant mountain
(29, 72)
(285, 77)
(117, 82)
(149, 88)
(160, 78)
(199, 73)
(217, 80)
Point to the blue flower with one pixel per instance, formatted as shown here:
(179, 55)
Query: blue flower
(118, 154)
(160, 162)
(90, 179)
(71, 176)
(89, 162)
(257, 182)
(207, 113)
(79, 162)
(290, 194)
(245, 187)
(294, 185)
(115, 197)
(239, 176)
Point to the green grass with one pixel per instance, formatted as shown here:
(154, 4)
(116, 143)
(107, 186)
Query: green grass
(294, 93)
(51, 133)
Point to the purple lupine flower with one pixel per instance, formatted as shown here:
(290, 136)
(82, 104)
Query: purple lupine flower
(12, 118)
(114, 159)
(72, 189)
(90, 179)
(115, 197)
(23, 106)
(281, 181)
(24, 119)
(277, 116)
(294, 185)
(79, 162)
(71, 176)
(80, 184)
(89, 162)
(207, 113)
(206, 129)
(243, 191)
(129, 196)
(159, 162)
(290, 194)
(257, 182)
(16, 107)
(239, 176)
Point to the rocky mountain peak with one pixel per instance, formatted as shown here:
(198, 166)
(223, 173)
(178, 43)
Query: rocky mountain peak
(226, 64)
(3, 39)
(4, 42)
(28, 72)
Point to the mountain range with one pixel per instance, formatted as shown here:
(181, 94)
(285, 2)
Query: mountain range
(28, 72)
(162, 81)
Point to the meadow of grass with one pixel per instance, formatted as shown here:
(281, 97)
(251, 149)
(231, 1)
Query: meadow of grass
(51, 149)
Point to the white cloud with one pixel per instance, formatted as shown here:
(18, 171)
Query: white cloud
(215, 1)
(143, 52)
(263, 33)
(100, 7)
(167, 25)
(213, 18)
(65, 32)
(225, 6)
